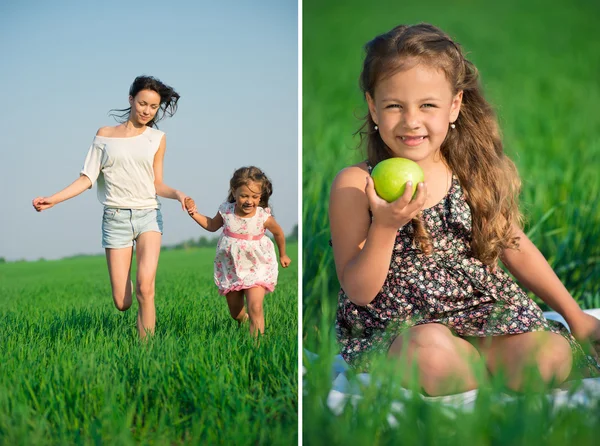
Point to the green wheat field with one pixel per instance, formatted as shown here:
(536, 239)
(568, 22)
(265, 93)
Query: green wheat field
(539, 62)
(74, 372)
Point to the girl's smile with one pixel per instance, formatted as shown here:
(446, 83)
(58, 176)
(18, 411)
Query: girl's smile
(413, 109)
(247, 199)
(412, 141)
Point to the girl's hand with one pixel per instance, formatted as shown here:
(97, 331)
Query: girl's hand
(586, 329)
(181, 197)
(285, 261)
(42, 203)
(396, 214)
(190, 206)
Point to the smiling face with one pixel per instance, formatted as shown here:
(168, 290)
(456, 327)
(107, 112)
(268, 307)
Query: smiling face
(247, 198)
(413, 109)
(144, 106)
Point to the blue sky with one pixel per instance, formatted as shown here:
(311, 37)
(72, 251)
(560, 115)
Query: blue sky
(66, 64)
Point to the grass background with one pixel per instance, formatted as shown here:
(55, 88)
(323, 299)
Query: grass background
(74, 372)
(539, 63)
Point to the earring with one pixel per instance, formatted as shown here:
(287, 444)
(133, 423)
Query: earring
(376, 128)
(452, 126)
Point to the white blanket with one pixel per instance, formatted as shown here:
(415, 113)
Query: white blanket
(342, 391)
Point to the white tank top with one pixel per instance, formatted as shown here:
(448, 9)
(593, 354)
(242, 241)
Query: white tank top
(124, 169)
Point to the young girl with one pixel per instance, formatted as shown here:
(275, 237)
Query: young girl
(419, 277)
(127, 161)
(245, 263)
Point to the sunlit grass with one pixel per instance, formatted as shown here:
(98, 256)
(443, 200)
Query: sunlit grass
(74, 372)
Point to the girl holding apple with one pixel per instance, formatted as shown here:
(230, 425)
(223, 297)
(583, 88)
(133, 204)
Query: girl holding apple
(419, 276)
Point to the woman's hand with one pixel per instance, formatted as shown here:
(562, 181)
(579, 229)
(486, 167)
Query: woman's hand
(190, 205)
(586, 329)
(396, 214)
(285, 261)
(181, 197)
(42, 203)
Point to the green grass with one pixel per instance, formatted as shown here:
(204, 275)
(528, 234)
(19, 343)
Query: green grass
(74, 372)
(498, 417)
(539, 62)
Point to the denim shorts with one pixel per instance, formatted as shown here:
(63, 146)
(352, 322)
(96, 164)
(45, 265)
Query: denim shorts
(121, 227)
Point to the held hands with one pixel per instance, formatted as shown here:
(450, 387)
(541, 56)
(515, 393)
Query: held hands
(181, 197)
(42, 203)
(586, 329)
(285, 261)
(397, 213)
(190, 206)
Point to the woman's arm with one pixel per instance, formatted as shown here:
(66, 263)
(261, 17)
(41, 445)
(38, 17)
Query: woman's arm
(162, 190)
(75, 188)
(363, 248)
(279, 236)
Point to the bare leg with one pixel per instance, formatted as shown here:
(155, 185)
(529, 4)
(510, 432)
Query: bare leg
(548, 355)
(119, 270)
(443, 361)
(235, 302)
(147, 253)
(255, 297)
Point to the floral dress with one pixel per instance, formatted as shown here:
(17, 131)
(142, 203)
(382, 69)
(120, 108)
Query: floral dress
(245, 255)
(449, 287)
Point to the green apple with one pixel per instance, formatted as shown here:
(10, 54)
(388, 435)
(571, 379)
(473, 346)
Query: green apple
(390, 177)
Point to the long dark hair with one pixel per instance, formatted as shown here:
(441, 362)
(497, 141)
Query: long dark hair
(168, 99)
(473, 150)
(245, 175)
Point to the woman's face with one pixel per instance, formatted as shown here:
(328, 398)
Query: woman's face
(144, 106)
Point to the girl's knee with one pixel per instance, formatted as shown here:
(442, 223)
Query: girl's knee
(555, 358)
(241, 317)
(541, 345)
(431, 335)
(531, 356)
(255, 308)
(420, 337)
(443, 371)
(440, 362)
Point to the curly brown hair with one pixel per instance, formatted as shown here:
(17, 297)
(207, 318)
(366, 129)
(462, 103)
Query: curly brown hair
(245, 175)
(473, 151)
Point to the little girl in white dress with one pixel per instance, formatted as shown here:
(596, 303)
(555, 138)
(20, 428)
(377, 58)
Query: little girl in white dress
(245, 262)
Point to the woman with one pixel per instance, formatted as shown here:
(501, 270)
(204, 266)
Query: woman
(127, 162)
